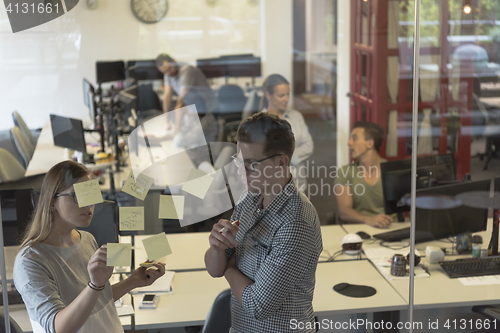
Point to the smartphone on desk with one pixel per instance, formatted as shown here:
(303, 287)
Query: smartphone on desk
(149, 301)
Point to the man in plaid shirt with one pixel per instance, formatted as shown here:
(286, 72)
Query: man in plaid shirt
(269, 250)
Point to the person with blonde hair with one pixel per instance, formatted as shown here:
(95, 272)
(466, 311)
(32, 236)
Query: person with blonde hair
(275, 101)
(60, 273)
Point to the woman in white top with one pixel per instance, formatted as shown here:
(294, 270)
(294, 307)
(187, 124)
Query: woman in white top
(59, 271)
(276, 96)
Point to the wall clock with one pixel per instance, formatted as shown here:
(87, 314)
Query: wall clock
(149, 11)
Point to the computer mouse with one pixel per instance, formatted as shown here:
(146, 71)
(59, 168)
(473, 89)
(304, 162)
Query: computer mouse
(340, 286)
(363, 235)
(476, 239)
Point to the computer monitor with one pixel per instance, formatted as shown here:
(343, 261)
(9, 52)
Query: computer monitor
(104, 225)
(68, 133)
(143, 70)
(88, 99)
(396, 178)
(108, 71)
(457, 219)
(17, 208)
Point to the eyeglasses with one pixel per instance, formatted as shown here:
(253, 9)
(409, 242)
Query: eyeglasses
(250, 166)
(73, 194)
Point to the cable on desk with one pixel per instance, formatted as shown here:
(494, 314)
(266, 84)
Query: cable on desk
(383, 243)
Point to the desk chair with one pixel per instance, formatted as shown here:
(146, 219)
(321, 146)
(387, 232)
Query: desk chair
(22, 144)
(14, 327)
(10, 168)
(219, 317)
(490, 312)
(19, 122)
(232, 101)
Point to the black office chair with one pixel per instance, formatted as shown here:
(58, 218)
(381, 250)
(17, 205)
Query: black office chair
(14, 327)
(219, 317)
(232, 101)
(148, 102)
(490, 312)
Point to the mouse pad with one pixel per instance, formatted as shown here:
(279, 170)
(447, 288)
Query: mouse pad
(354, 290)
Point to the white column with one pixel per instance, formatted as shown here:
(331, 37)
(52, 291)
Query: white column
(277, 37)
(343, 80)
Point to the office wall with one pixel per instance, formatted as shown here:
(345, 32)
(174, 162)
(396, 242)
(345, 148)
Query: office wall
(41, 69)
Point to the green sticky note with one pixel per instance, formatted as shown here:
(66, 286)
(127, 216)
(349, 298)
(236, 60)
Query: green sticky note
(157, 246)
(139, 187)
(199, 186)
(171, 207)
(131, 218)
(88, 193)
(119, 254)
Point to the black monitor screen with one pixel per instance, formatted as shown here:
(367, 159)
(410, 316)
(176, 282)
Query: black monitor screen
(104, 225)
(457, 219)
(68, 133)
(17, 208)
(108, 71)
(88, 98)
(143, 70)
(396, 178)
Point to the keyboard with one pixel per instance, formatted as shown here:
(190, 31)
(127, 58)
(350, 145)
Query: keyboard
(400, 234)
(471, 267)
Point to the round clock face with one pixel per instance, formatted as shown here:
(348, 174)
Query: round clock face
(149, 11)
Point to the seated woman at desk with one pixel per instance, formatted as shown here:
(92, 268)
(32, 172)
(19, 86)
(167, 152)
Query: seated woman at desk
(275, 101)
(60, 273)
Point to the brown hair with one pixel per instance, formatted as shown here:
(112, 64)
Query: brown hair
(60, 177)
(161, 58)
(372, 132)
(270, 82)
(274, 132)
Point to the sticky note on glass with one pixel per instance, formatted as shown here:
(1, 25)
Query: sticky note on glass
(137, 187)
(171, 207)
(157, 246)
(198, 186)
(88, 193)
(119, 254)
(131, 218)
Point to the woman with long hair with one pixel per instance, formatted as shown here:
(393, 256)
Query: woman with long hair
(59, 271)
(275, 100)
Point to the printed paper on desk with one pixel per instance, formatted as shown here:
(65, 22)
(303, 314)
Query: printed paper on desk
(131, 218)
(157, 246)
(171, 207)
(119, 254)
(162, 285)
(88, 193)
(139, 187)
(199, 186)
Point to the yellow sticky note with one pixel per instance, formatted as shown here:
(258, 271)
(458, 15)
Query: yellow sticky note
(171, 207)
(88, 193)
(199, 186)
(131, 218)
(139, 187)
(157, 246)
(119, 254)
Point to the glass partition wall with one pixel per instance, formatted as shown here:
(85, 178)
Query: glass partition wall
(346, 61)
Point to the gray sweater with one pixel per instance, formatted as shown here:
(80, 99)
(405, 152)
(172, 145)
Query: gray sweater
(49, 278)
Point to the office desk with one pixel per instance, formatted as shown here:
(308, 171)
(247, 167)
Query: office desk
(194, 293)
(328, 302)
(188, 249)
(439, 291)
(46, 155)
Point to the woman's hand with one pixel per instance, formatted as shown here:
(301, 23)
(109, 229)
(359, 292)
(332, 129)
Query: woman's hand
(143, 276)
(99, 272)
